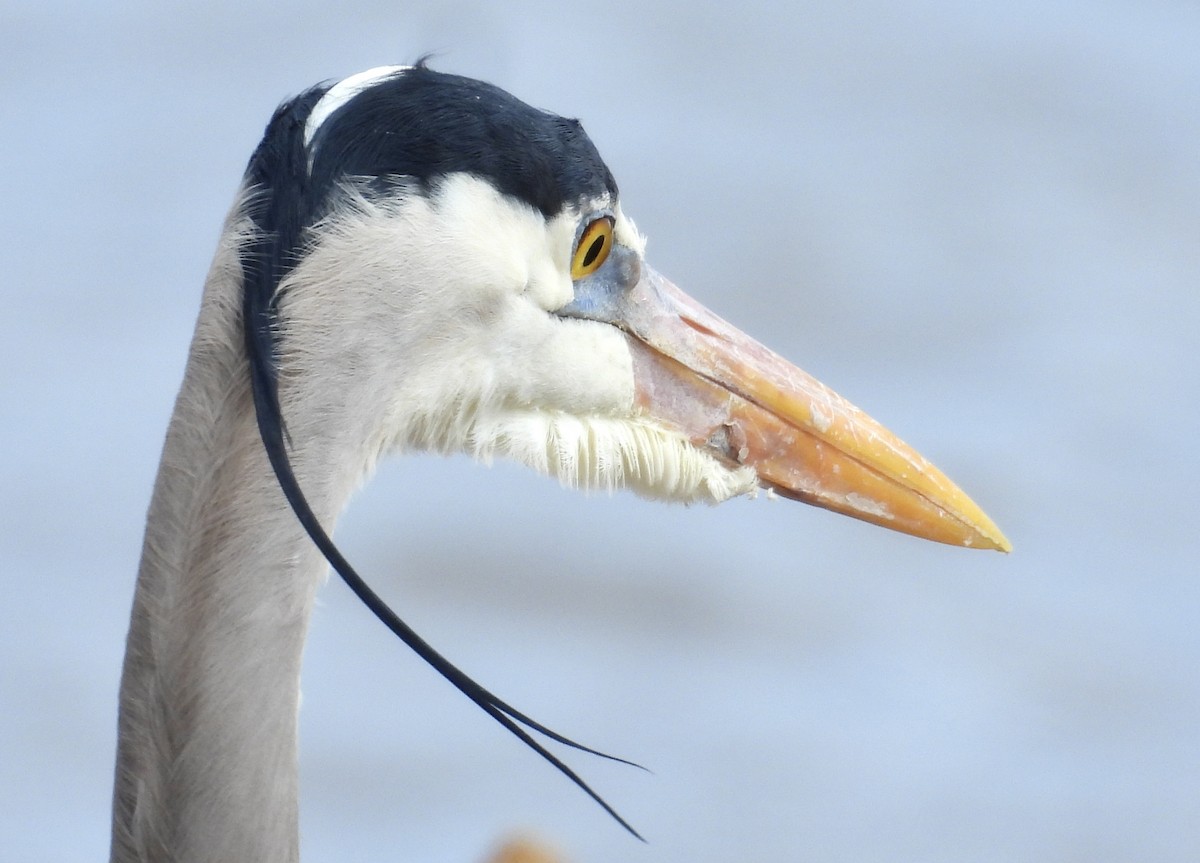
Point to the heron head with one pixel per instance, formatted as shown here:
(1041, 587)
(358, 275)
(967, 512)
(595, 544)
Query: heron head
(458, 275)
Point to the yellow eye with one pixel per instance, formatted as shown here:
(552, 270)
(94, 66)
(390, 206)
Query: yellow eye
(593, 248)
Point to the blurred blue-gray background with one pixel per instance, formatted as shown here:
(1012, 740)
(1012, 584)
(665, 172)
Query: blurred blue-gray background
(980, 222)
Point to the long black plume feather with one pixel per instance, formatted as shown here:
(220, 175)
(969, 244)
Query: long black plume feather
(281, 206)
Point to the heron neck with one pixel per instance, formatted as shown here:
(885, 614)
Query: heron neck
(206, 761)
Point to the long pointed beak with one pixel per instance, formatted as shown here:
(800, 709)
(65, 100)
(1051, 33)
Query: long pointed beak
(727, 393)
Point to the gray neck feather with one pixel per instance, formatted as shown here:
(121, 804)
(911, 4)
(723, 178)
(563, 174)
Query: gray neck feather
(206, 762)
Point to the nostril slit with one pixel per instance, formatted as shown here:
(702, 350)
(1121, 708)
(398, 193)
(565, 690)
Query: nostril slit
(700, 328)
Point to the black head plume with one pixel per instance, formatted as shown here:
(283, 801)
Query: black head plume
(402, 133)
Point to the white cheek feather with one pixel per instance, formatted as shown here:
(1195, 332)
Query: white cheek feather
(455, 350)
(517, 249)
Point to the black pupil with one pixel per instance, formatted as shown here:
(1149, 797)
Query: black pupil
(593, 251)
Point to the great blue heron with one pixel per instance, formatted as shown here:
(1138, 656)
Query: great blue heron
(419, 261)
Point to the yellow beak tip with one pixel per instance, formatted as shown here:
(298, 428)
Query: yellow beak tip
(985, 535)
(1002, 544)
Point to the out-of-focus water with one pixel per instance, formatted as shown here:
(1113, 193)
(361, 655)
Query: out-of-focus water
(980, 222)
